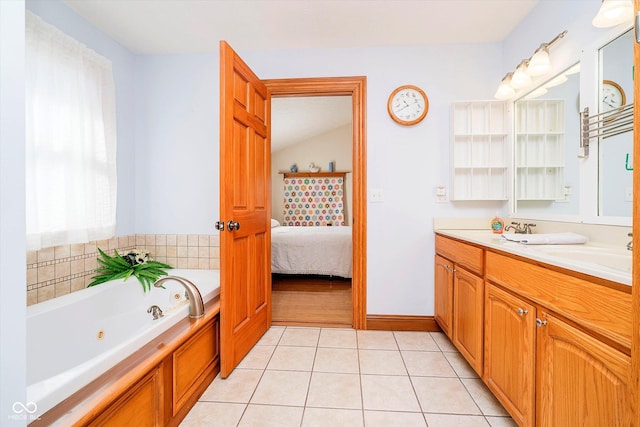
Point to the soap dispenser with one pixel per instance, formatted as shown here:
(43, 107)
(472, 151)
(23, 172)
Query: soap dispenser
(497, 225)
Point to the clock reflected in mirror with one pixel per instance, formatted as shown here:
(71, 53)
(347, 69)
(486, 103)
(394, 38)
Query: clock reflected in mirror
(613, 97)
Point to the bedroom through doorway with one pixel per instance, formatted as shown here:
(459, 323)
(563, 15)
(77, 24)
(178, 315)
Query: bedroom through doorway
(312, 198)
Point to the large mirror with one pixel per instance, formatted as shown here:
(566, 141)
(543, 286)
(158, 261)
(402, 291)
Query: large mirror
(615, 153)
(547, 127)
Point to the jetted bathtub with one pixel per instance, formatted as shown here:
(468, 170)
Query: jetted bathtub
(73, 339)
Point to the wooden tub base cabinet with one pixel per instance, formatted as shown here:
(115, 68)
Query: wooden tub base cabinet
(156, 386)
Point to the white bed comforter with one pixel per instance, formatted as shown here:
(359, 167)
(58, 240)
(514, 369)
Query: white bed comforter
(311, 250)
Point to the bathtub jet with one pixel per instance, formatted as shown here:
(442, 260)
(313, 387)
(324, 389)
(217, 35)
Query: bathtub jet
(196, 306)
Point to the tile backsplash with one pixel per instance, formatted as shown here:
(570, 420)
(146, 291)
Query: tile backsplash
(56, 271)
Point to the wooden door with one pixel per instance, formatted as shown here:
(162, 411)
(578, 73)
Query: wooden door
(509, 353)
(245, 199)
(468, 302)
(443, 283)
(581, 380)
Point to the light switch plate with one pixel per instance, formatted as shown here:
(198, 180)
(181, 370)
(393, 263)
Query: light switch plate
(376, 195)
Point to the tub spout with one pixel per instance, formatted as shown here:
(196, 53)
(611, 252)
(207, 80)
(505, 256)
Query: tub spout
(196, 305)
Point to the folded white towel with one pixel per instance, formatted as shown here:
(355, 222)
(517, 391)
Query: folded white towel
(547, 239)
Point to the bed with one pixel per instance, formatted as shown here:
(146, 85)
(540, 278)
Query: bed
(311, 250)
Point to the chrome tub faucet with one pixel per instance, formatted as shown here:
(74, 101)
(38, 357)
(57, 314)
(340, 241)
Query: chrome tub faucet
(196, 305)
(630, 244)
(155, 311)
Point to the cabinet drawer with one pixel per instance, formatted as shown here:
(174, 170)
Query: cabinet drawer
(466, 255)
(604, 310)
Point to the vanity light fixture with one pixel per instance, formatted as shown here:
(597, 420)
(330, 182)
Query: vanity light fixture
(613, 12)
(556, 81)
(538, 65)
(536, 93)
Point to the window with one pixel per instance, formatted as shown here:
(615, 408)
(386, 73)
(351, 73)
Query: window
(70, 140)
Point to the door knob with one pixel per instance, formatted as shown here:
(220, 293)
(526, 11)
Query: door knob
(233, 225)
(219, 225)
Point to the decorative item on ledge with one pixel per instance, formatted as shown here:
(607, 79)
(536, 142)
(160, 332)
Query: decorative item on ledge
(313, 168)
(134, 263)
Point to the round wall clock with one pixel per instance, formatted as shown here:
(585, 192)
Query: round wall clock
(408, 105)
(612, 97)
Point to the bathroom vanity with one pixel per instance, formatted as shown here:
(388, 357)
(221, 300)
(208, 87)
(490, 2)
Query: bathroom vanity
(550, 336)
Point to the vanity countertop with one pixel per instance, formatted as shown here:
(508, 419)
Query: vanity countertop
(599, 260)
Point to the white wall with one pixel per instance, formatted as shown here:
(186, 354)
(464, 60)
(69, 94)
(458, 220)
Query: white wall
(335, 145)
(13, 292)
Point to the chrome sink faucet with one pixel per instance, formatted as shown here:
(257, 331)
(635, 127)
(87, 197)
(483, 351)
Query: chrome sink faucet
(630, 244)
(196, 305)
(520, 228)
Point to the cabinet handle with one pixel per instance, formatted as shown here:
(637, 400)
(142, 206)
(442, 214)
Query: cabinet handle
(522, 312)
(451, 269)
(540, 322)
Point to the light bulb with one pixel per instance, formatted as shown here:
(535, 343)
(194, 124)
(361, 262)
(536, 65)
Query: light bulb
(505, 90)
(613, 12)
(539, 64)
(520, 77)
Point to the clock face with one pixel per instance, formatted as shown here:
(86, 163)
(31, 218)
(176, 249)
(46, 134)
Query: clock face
(612, 96)
(408, 105)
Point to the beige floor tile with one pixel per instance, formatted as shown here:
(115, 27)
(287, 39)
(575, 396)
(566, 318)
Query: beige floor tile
(224, 414)
(282, 388)
(427, 364)
(257, 358)
(238, 387)
(338, 338)
(307, 337)
(287, 358)
(337, 360)
(444, 395)
(449, 420)
(270, 416)
(381, 362)
(328, 390)
(487, 402)
(421, 341)
(501, 422)
(460, 365)
(272, 336)
(387, 419)
(379, 340)
(388, 393)
(324, 417)
(443, 341)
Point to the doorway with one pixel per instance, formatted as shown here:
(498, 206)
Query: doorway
(356, 88)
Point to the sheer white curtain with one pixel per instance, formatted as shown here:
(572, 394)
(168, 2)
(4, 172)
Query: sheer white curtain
(70, 139)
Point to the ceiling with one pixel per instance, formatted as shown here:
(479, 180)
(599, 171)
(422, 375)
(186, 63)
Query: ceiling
(158, 27)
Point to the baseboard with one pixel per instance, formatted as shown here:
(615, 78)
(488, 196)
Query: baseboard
(390, 322)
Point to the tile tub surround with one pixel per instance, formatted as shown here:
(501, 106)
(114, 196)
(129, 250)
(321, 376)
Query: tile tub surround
(308, 377)
(56, 271)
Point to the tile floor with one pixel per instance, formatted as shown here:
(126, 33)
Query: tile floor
(341, 377)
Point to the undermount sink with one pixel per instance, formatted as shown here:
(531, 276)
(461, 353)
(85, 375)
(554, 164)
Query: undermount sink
(605, 257)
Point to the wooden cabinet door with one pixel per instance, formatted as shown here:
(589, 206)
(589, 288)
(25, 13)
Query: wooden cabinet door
(468, 316)
(509, 352)
(581, 380)
(443, 283)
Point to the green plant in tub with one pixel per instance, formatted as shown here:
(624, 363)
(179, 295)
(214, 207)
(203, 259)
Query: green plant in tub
(134, 263)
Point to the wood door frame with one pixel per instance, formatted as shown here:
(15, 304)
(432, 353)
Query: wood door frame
(356, 88)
